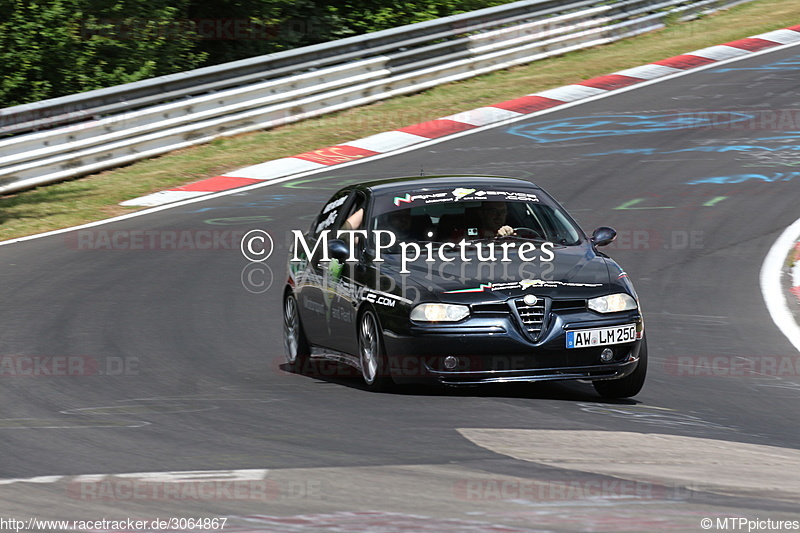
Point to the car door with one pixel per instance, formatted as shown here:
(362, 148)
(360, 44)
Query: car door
(312, 274)
(342, 286)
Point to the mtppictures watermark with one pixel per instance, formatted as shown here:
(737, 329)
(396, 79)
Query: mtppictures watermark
(446, 252)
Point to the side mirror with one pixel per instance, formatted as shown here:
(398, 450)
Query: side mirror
(338, 249)
(603, 236)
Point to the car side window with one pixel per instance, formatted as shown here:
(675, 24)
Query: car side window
(329, 214)
(355, 217)
(354, 220)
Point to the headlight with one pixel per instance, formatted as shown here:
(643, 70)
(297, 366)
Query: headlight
(439, 312)
(613, 303)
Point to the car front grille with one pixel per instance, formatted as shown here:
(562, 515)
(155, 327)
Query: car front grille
(532, 317)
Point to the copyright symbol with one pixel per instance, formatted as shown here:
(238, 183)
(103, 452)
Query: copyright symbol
(257, 278)
(256, 245)
(706, 523)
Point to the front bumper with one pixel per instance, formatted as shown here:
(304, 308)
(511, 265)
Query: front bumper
(497, 350)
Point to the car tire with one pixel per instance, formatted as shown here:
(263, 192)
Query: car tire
(295, 343)
(372, 356)
(631, 384)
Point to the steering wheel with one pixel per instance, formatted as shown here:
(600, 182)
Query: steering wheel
(527, 233)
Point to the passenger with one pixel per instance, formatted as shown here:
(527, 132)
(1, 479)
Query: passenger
(355, 220)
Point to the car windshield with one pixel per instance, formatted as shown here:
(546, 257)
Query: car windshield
(476, 220)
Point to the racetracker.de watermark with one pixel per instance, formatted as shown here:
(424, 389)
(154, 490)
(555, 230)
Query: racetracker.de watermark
(139, 490)
(555, 490)
(244, 485)
(412, 366)
(733, 366)
(199, 29)
(742, 120)
(648, 240)
(154, 240)
(47, 366)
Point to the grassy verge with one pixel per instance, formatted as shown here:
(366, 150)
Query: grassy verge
(97, 197)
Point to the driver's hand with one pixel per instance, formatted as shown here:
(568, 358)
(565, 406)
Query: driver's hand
(505, 231)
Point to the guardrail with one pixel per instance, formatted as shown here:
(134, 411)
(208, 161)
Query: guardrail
(80, 134)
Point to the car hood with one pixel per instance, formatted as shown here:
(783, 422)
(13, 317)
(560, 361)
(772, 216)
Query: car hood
(575, 272)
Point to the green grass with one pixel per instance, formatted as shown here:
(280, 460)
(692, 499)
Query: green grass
(96, 197)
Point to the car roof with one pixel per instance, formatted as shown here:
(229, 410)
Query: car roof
(392, 185)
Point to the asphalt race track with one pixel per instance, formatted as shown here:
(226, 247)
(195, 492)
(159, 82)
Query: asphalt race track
(167, 360)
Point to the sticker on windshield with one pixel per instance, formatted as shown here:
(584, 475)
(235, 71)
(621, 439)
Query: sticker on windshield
(524, 284)
(462, 193)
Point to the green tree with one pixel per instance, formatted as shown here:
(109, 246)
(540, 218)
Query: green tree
(53, 48)
(363, 16)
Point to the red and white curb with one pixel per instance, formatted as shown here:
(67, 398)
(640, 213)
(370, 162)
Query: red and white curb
(771, 281)
(482, 116)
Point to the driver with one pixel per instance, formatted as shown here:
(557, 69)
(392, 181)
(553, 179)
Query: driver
(400, 223)
(492, 221)
(487, 222)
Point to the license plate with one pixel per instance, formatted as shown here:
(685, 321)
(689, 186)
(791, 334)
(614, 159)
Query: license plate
(584, 338)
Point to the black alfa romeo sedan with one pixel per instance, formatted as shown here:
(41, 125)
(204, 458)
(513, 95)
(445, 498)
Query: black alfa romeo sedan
(461, 280)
